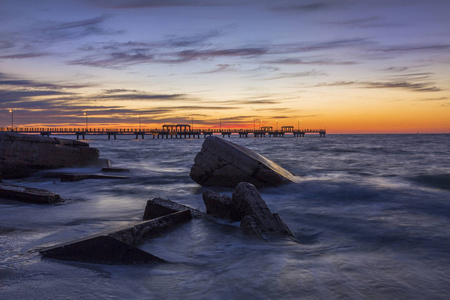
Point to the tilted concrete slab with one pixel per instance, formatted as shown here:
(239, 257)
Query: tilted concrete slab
(118, 247)
(158, 207)
(28, 195)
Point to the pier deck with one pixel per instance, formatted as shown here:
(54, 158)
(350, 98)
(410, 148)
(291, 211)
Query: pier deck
(164, 133)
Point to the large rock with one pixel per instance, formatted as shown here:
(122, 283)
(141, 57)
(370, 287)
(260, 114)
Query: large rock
(22, 154)
(223, 163)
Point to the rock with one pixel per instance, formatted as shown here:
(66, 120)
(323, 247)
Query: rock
(250, 226)
(247, 206)
(101, 250)
(22, 154)
(158, 207)
(223, 163)
(220, 206)
(257, 219)
(29, 195)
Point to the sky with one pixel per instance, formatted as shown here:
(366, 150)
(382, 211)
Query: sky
(350, 66)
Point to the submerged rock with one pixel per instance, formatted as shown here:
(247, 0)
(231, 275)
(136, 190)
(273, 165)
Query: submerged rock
(22, 154)
(223, 163)
(29, 195)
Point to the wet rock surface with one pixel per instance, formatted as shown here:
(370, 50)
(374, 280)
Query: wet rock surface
(263, 223)
(247, 206)
(158, 207)
(101, 250)
(138, 233)
(28, 195)
(223, 163)
(118, 247)
(21, 154)
(220, 206)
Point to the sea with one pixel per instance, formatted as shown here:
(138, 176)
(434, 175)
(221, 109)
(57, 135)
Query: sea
(371, 214)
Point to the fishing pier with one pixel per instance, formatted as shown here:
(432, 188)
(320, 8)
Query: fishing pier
(177, 131)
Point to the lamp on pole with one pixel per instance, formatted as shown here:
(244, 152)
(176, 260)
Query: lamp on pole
(220, 124)
(192, 122)
(260, 124)
(253, 125)
(277, 124)
(86, 120)
(140, 123)
(12, 119)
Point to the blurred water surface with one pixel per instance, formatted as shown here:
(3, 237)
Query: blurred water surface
(372, 213)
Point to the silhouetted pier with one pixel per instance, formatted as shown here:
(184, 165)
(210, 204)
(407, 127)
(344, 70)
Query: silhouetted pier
(181, 131)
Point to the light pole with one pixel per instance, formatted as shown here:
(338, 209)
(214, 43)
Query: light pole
(277, 124)
(86, 121)
(253, 125)
(192, 121)
(12, 119)
(260, 124)
(220, 124)
(140, 123)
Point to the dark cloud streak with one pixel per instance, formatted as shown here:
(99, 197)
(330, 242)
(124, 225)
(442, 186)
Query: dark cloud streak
(23, 55)
(320, 62)
(415, 87)
(369, 22)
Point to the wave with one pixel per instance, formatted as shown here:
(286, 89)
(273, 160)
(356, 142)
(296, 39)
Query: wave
(440, 181)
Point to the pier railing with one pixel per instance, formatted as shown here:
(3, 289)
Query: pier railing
(156, 132)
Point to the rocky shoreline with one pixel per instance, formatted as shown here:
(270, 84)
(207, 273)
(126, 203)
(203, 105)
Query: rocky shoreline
(219, 163)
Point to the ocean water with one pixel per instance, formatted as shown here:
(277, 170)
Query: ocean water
(371, 212)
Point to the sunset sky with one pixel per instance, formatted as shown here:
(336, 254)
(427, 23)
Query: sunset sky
(352, 66)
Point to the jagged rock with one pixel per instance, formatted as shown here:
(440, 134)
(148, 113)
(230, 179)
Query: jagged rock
(22, 154)
(247, 206)
(29, 195)
(257, 219)
(158, 207)
(223, 163)
(220, 206)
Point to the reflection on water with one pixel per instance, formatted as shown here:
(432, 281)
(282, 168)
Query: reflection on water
(372, 214)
